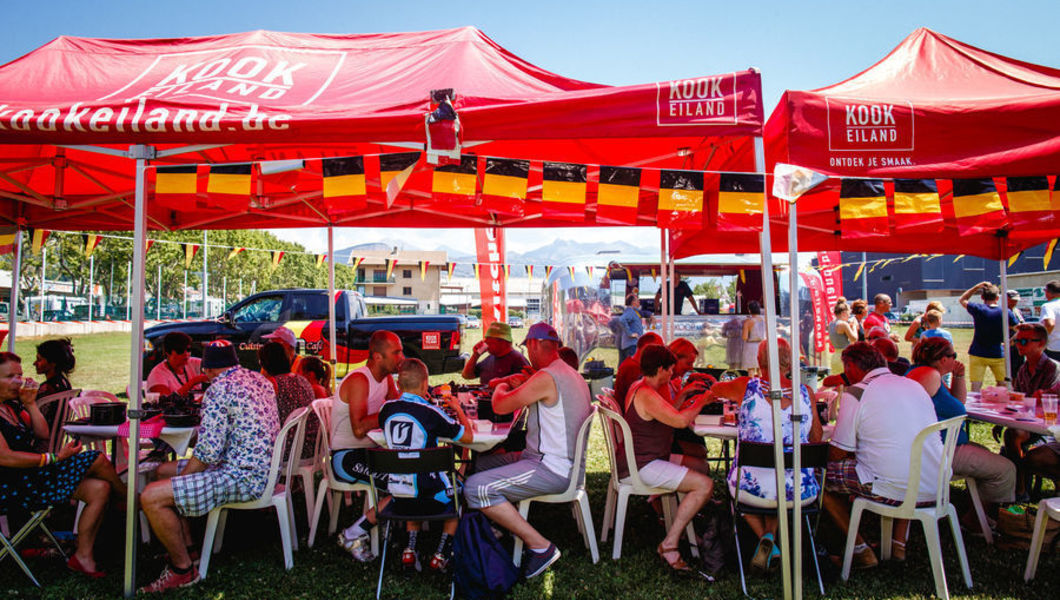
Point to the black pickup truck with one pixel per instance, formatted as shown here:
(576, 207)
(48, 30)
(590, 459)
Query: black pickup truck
(434, 339)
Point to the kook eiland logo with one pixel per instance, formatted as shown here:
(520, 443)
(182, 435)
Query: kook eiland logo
(701, 101)
(862, 126)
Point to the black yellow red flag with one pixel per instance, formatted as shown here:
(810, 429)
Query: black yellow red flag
(233, 253)
(618, 195)
(916, 206)
(228, 184)
(977, 206)
(176, 187)
(189, 253)
(455, 183)
(563, 188)
(1030, 203)
(862, 208)
(91, 243)
(277, 256)
(504, 186)
(344, 188)
(680, 199)
(741, 198)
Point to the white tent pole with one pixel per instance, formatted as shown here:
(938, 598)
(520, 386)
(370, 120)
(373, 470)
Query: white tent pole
(16, 276)
(769, 300)
(1003, 303)
(158, 295)
(136, 348)
(673, 276)
(205, 276)
(91, 283)
(796, 395)
(43, 281)
(224, 292)
(128, 291)
(664, 299)
(332, 341)
(185, 309)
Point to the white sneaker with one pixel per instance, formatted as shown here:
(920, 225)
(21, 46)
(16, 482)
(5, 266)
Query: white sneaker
(360, 547)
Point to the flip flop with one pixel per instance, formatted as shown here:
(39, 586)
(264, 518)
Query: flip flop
(75, 565)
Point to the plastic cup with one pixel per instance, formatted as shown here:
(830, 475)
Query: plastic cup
(151, 397)
(1049, 402)
(1030, 403)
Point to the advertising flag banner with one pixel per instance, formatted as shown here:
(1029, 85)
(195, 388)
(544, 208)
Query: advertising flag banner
(504, 186)
(390, 264)
(277, 256)
(189, 253)
(176, 187)
(489, 246)
(741, 198)
(618, 195)
(680, 199)
(977, 206)
(234, 253)
(455, 183)
(815, 284)
(916, 206)
(862, 208)
(37, 239)
(423, 269)
(91, 243)
(1030, 203)
(344, 188)
(228, 183)
(563, 187)
(831, 276)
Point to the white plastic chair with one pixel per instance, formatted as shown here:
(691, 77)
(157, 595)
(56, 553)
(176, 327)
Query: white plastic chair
(619, 490)
(56, 435)
(275, 496)
(307, 469)
(1048, 508)
(575, 493)
(927, 515)
(101, 394)
(322, 409)
(977, 504)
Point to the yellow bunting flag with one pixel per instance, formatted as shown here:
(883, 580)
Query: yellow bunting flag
(1048, 254)
(618, 195)
(320, 260)
(37, 239)
(390, 264)
(959, 257)
(977, 206)
(530, 272)
(507, 271)
(147, 245)
(91, 243)
(1012, 259)
(571, 271)
(476, 267)
(563, 187)
(548, 272)
(423, 269)
(229, 182)
(189, 253)
(1030, 203)
(176, 187)
(857, 274)
(862, 208)
(654, 275)
(917, 208)
(504, 186)
(344, 187)
(680, 199)
(589, 270)
(743, 276)
(449, 270)
(741, 198)
(234, 253)
(277, 256)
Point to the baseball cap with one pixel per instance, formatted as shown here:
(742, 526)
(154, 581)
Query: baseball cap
(1013, 294)
(542, 331)
(501, 331)
(282, 334)
(219, 354)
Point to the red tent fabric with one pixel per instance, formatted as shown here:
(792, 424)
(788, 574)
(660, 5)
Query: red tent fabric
(271, 96)
(932, 108)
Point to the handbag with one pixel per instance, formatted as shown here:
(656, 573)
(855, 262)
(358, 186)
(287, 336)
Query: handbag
(1015, 524)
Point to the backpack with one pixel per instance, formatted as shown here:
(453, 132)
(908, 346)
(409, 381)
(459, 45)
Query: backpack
(482, 570)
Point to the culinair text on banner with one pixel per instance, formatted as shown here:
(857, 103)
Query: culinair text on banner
(489, 244)
(813, 282)
(832, 277)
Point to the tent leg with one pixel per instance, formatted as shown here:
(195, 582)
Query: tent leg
(769, 300)
(1003, 302)
(796, 424)
(331, 299)
(136, 345)
(16, 272)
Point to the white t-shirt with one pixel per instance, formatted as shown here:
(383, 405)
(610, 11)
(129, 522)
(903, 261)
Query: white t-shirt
(880, 428)
(173, 379)
(1051, 310)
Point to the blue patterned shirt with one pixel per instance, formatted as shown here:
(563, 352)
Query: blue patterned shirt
(239, 425)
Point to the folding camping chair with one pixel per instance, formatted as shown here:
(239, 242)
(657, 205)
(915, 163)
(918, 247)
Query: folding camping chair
(8, 546)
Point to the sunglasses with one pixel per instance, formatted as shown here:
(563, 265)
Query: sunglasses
(952, 355)
(1025, 341)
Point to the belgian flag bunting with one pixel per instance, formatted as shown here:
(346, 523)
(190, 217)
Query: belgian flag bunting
(344, 188)
(234, 253)
(455, 183)
(862, 208)
(680, 199)
(189, 253)
(7, 242)
(977, 206)
(563, 187)
(1030, 203)
(618, 195)
(504, 186)
(570, 270)
(548, 272)
(277, 256)
(355, 261)
(741, 198)
(530, 272)
(229, 182)
(320, 260)
(395, 167)
(176, 186)
(916, 206)
(449, 270)
(423, 269)
(91, 243)
(390, 264)
(37, 239)
(476, 266)
(1048, 256)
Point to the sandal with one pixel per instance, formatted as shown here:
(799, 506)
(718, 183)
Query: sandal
(678, 566)
(75, 565)
(897, 551)
(763, 554)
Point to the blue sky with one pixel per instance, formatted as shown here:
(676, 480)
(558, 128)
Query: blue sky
(796, 45)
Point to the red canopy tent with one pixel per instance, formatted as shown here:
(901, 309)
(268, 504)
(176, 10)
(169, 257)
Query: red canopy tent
(82, 120)
(932, 108)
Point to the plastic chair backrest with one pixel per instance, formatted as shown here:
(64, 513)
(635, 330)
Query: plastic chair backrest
(295, 421)
(942, 493)
(294, 451)
(79, 407)
(322, 409)
(55, 435)
(621, 434)
(100, 394)
(579, 453)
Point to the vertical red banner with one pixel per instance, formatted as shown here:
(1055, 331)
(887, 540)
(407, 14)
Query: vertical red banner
(832, 278)
(820, 308)
(489, 244)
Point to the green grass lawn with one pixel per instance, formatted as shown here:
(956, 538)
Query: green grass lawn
(250, 565)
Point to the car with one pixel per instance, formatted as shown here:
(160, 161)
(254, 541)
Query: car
(473, 322)
(516, 322)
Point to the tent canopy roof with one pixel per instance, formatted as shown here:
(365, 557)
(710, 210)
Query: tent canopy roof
(265, 95)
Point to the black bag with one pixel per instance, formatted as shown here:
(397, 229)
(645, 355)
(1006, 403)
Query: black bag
(482, 570)
(716, 546)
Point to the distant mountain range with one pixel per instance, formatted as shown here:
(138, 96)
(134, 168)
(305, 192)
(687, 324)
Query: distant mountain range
(555, 253)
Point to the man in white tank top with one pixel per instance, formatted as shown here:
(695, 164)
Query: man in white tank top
(557, 402)
(353, 414)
